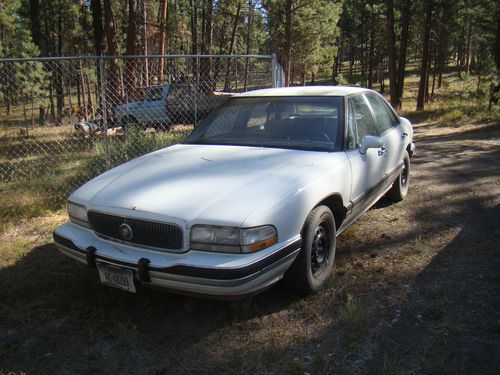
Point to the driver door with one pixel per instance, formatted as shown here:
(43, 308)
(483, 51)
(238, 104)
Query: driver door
(392, 134)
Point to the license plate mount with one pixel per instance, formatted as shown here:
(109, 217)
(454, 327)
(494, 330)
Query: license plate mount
(120, 278)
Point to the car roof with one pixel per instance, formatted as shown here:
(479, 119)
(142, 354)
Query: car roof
(306, 91)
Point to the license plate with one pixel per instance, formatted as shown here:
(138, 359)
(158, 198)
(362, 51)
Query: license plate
(116, 277)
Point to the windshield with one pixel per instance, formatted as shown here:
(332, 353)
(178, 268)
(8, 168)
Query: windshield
(308, 123)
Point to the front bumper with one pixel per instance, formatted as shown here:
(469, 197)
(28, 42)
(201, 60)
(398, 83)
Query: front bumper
(193, 272)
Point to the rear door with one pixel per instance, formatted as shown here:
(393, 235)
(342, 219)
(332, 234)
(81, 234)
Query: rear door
(368, 170)
(392, 134)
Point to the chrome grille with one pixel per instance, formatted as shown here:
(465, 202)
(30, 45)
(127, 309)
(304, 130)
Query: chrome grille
(145, 233)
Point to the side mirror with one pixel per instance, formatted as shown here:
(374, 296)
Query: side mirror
(370, 141)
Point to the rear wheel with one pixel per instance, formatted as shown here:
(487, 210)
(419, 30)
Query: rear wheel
(399, 189)
(314, 263)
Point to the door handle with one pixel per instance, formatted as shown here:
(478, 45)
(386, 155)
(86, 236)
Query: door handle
(382, 151)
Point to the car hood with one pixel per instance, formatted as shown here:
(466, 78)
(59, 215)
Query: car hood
(205, 183)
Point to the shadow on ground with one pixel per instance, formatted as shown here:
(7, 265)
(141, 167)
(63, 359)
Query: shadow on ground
(55, 316)
(450, 320)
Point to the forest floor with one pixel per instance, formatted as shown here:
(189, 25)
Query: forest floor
(415, 290)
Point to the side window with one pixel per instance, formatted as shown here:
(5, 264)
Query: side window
(363, 117)
(351, 128)
(385, 121)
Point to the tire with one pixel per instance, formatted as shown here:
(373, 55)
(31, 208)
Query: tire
(399, 189)
(314, 264)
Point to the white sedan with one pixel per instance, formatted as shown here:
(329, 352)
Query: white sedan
(258, 192)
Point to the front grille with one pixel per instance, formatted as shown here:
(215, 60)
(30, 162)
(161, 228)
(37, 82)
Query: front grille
(145, 233)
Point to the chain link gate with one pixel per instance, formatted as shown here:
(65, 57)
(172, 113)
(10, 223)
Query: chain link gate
(65, 120)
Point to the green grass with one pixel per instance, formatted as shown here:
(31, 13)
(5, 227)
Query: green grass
(353, 312)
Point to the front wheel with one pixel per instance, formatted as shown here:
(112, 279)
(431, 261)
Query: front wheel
(399, 189)
(314, 263)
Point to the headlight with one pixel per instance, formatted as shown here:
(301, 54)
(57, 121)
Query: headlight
(78, 214)
(232, 239)
(258, 238)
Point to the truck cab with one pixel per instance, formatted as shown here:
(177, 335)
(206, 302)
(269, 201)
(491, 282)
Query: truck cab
(149, 112)
(167, 104)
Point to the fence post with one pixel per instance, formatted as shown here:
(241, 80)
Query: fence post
(104, 110)
(274, 67)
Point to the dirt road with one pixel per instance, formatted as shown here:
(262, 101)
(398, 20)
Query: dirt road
(449, 320)
(416, 290)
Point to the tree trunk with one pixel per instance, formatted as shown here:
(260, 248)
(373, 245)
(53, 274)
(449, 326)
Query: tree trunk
(78, 90)
(287, 66)
(113, 73)
(145, 42)
(36, 29)
(425, 55)
(194, 29)
(68, 91)
(163, 31)
(51, 101)
(194, 36)
(495, 89)
(249, 40)
(32, 110)
(98, 32)
(109, 25)
(231, 47)
(468, 46)
(351, 58)
(372, 46)
(206, 63)
(405, 23)
(391, 45)
(443, 41)
(337, 61)
(95, 6)
(81, 79)
(59, 69)
(222, 41)
(434, 70)
(130, 64)
(90, 100)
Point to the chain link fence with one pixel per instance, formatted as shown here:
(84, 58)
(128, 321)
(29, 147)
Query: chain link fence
(66, 120)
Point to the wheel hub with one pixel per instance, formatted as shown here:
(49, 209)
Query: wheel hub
(320, 248)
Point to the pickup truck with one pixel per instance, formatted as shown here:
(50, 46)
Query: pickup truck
(168, 104)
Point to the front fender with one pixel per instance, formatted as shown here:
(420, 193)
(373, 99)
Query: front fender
(290, 213)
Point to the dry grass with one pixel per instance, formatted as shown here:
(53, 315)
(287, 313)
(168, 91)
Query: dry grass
(40, 171)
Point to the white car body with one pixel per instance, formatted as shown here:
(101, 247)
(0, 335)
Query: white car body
(235, 186)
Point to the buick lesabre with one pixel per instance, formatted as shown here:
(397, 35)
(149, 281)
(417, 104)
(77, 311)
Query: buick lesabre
(258, 192)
